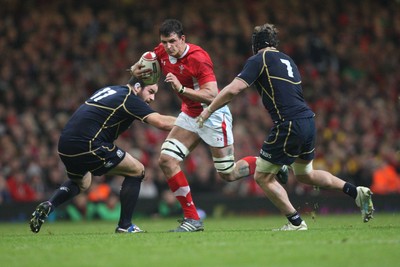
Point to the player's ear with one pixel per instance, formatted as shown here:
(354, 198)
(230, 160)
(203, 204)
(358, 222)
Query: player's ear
(137, 88)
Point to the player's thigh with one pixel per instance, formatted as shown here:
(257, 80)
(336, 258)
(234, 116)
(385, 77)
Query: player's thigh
(221, 152)
(188, 138)
(129, 166)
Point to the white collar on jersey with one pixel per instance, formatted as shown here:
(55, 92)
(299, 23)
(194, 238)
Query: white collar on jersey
(173, 60)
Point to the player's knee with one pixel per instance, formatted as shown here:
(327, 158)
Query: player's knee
(172, 152)
(139, 172)
(225, 166)
(165, 161)
(175, 149)
(84, 183)
(263, 178)
(141, 175)
(259, 178)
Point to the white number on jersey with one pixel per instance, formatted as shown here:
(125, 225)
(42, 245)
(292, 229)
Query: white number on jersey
(288, 67)
(103, 93)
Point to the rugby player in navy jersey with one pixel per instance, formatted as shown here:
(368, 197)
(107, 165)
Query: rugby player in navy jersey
(291, 141)
(86, 147)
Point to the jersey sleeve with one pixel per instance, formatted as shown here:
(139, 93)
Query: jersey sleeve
(251, 70)
(204, 68)
(137, 107)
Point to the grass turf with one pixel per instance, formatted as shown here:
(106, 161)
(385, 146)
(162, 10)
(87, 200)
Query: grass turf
(334, 240)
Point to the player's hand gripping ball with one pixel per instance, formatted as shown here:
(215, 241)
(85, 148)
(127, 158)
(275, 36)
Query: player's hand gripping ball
(149, 60)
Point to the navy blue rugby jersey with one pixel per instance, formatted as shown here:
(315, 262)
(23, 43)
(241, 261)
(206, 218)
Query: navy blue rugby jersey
(102, 118)
(278, 82)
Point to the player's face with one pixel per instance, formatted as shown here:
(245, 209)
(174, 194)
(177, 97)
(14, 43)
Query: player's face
(148, 93)
(173, 44)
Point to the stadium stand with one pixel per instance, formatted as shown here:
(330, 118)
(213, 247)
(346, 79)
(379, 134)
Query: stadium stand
(55, 53)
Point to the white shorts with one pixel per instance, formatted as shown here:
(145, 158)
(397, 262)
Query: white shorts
(217, 130)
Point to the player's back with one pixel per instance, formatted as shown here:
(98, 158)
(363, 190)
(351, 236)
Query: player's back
(280, 87)
(100, 119)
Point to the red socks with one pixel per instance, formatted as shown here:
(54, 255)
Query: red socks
(180, 187)
(251, 160)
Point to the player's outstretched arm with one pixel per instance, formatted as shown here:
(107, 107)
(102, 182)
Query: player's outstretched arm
(223, 98)
(162, 122)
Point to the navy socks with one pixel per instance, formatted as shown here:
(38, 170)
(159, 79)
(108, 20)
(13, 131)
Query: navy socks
(128, 196)
(350, 190)
(67, 191)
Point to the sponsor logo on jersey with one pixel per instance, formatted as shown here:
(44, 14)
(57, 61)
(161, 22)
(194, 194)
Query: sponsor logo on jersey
(181, 68)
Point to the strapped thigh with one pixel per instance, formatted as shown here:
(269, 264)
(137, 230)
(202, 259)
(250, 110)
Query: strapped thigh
(266, 167)
(302, 169)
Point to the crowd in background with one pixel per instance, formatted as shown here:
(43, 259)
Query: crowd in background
(54, 54)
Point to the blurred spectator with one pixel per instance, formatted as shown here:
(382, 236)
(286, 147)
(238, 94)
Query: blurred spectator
(20, 190)
(5, 195)
(385, 180)
(99, 190)
(347, 52)
(109, 209)
(168, 205)
(148, 189)
(80, 209)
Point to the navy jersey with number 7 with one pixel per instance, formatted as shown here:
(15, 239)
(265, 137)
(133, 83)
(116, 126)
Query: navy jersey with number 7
(278, 82)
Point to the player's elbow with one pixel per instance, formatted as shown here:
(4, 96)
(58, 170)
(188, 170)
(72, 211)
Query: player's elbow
(166, 126)
(162, 125)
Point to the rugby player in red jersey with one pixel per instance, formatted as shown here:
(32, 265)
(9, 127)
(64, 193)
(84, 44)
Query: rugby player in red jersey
(189, 70)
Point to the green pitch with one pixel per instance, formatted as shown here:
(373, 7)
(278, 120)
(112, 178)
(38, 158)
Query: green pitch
(335, 240)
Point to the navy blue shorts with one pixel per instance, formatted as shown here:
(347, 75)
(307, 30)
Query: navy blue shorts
(290, 140)
(100, 161)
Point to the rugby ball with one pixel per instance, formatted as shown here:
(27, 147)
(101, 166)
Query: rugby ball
(149, 60)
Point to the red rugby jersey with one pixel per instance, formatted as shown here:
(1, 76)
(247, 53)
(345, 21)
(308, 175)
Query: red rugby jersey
(193, 69)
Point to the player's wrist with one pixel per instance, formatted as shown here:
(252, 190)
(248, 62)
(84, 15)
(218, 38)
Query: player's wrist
(182, 89)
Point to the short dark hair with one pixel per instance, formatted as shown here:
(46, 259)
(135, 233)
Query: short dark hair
(264, 36)
(170, 26)
(133, 80)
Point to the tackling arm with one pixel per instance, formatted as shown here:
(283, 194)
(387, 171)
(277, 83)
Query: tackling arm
(159, 121)
(223, 98)
(227, 94)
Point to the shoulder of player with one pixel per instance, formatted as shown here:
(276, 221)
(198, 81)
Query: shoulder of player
(195, 49)
(275, 53)
(197, 53)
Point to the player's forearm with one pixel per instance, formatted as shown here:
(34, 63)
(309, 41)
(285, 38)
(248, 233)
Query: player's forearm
(201, 96)
(167, 123)
(221, 100)
(226, 95)
(162, 122)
